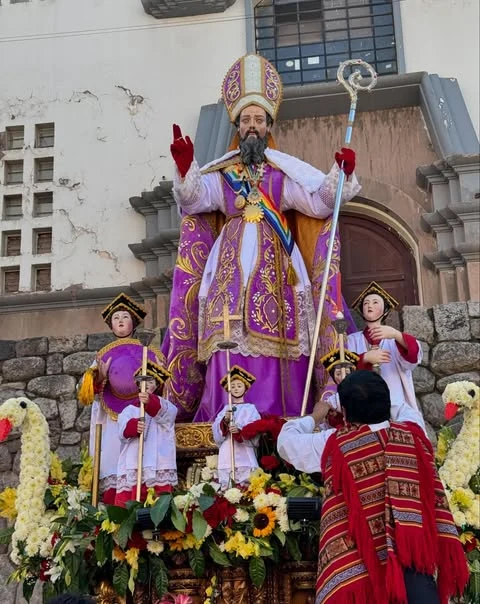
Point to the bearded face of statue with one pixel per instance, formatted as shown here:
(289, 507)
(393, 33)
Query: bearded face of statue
(253, 128)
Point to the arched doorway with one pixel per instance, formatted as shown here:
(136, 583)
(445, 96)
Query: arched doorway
(373, 251)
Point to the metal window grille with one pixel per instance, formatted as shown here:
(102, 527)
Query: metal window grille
(10, 280)
(307, 39)
(43, 203)
(12, 207)
(44, 169)
(15, 137)
(11, 243)
(42, 280)
(14, 172)
(42, 241)
(44, 135)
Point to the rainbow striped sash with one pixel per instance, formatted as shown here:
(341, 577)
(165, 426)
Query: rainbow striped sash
(271, 213)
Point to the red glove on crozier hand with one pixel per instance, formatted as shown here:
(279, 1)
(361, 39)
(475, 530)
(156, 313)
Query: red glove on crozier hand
(347, 156)
(181, 150)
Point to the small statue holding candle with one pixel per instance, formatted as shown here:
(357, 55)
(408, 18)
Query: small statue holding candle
(159, 470)
(230, 420)
(338, 363)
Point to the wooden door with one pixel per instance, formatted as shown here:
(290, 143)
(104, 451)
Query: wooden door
(372, 251)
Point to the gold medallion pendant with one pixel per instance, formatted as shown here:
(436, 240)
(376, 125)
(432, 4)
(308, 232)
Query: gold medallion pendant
(253, 213)
(254, 195)
(240, 202)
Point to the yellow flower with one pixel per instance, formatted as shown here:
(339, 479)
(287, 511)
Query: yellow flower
(151, 498)
(85, 476)
(286, 480)
(131, 556)
(242, 547)
(8, 498)
(56, 470)
(155, 547)
(264, 522)
(172, 535)
(209, 591)
(258, 480)
(463, 498)
(108, 526)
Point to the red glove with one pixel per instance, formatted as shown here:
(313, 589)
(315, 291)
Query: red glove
(346, 160)
(181, 150)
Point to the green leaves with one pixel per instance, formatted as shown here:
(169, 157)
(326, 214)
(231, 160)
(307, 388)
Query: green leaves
(103, 548)
(159, 510)
(120, 579)
(126, 528)
(217, 555)
(199, 525)
(292, 547)
(257, 571)
(116, 514)
(159, 575)
(28, 587)
(280, 535)
(197, 562)
(177, 518)
(6, 535)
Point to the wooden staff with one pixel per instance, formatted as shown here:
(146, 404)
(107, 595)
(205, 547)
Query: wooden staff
(227, 344)
(145, 336)
(353, 86)
(96, 464)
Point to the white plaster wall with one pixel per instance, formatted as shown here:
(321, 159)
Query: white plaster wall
(63, 61)
(443, 36)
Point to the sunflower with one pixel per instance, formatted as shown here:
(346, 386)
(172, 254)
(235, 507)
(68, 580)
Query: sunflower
(264, 522)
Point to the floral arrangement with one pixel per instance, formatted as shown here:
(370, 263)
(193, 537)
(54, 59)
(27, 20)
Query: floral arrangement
(82, 546)
(458, 460)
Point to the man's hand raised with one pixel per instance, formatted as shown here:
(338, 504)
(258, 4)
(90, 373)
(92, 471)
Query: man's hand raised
(181, 150)
(346, 160)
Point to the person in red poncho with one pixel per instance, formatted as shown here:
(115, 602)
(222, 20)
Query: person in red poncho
(386, 529)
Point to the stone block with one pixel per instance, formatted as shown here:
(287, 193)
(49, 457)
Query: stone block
(7, 590)
(70, 438)
(99, 340)
(78, 362)
(425, 354)
(418, 322)
(32, 347)
(11, 390)
(53, 386)
(83, 421)
(67, 344)
(54, 363)
(455, 357)
(423, 380)
(68, 413)
(475, 328)
(48, 407)
(469, 376)
(433, 409)
(5, 458)
(55, 430)
(14, 442)
(473, 308)
(7, 349)
(432, 435)
(25, 368)
(69, 452)
(451, 321)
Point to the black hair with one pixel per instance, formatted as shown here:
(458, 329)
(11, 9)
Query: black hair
(365, 397)
(71, 599)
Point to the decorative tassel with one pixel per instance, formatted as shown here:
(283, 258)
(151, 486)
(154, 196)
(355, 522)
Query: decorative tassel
(86, 392)
(292, 278)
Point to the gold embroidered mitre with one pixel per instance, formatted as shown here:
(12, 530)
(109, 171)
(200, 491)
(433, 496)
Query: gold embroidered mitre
(252, 80)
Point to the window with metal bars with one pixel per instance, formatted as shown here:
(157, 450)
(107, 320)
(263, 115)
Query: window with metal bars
(12, 207)
(43, 169)
(307, 39)
(14, 172)
(15, 136)
(43, 203)
(41, 277)
(44, 135)
(10, 280)
(11, 244)
(42, 241)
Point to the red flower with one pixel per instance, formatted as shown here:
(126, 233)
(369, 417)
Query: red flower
(44, 566)
(136, 541)
(269, 462)
(189, 519)
(54, 539)
(221, 510)
(470, 545)
(271, 424)
(273, 489)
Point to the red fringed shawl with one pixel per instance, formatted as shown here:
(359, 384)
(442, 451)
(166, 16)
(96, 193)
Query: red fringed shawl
(385, 510)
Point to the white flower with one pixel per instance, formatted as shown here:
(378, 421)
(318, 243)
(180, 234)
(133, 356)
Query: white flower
(54, 572)
(233, 495)
(261, 501)
(207, 474)
(241, 515)
(181, 501)
(211, 461)
(155, 547)
(75, 497)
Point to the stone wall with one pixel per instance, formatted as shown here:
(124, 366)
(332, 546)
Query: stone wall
(47, 370)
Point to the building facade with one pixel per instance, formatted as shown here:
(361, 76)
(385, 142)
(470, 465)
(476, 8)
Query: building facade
(93, 89)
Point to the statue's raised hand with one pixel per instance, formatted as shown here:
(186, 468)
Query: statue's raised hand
(181, 150)
(346, 160)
